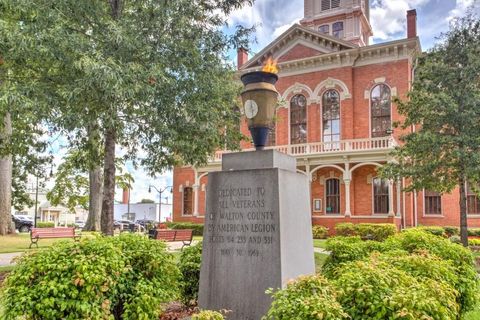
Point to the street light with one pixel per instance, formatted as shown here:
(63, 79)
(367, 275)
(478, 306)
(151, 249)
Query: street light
(160, 197)
(36, 196)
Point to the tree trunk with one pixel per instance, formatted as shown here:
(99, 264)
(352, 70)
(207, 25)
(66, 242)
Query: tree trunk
(463, 212)
(95, 199)
(6, 181)
(109, 182)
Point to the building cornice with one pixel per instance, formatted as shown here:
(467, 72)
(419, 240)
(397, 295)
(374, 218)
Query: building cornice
(355, 57)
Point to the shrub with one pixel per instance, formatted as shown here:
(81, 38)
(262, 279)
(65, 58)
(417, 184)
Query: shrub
(474, 232)
(196, 227)
(319, 232)
(189, 266)
(366, 231)
(374, 289)
(345, 229)
(452, 231)
(124, 277)
(438, 231)
(474, 242)
(455, 239)
(45, 224)
(208, 315)
(307, 298)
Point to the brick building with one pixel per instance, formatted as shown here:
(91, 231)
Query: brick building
(336, 120)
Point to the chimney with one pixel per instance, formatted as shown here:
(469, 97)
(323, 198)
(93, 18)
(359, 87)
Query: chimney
(242, 57)
(126, 196)
(411, 23)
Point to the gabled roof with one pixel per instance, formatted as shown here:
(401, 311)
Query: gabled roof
(298, 35)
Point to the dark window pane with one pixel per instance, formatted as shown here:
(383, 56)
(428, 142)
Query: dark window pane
(380, 195)
(337, 29)
(332, 193)
(298, 119)
(473, 201)
(188, 201)
(324, 29)
(433, 202)
(380, 110)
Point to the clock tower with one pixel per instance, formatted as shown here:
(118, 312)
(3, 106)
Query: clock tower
(347, 20)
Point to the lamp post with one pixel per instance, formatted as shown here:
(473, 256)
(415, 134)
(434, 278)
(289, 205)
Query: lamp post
(36, 196)
(160, 191)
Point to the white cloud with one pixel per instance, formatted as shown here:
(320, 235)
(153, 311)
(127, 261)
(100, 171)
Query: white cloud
(389, 17)
(461, 7)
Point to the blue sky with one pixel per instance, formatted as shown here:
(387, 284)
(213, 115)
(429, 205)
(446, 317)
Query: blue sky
(273, 17)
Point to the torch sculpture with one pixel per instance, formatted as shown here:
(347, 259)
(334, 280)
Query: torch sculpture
(259, 98)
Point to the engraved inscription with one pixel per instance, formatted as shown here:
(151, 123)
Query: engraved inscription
(242, 224)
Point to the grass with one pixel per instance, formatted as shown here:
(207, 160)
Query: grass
(21, 242)
(319, 243)
(6, 268)
(319, 261)
(473, 315)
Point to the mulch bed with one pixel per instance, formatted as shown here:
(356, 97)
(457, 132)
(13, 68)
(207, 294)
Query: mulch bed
(177, 311)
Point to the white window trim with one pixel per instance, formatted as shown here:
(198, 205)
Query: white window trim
(432, 215)
(373, 199)
(370, 107)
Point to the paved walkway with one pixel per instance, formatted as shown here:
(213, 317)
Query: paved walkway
(320, 250)
(6, 258)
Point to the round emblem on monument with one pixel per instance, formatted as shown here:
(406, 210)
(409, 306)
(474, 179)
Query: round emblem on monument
(251, 109)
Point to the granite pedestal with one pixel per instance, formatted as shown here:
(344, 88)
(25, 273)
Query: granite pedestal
(257, 232)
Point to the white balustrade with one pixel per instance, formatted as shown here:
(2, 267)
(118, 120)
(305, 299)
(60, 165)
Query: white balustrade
(342, 146)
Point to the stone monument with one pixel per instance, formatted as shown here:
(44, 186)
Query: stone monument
(257, 226)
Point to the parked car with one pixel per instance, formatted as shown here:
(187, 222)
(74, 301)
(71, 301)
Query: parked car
(146, 223)
(22, 223)
(124, 225)
(80, 224)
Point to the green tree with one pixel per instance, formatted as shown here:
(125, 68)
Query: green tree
(444, 106)
(147, 201)
(151, 74)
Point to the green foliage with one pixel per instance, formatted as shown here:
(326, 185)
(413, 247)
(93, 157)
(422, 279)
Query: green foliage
(189, 265)
(319, 232)
(208, 315)
(438, 231)
(374, 289)
(196, 227)
(451, 231)
(47, 224)
(427, 251)
(455, 239)
(306, 298)
(367, 231)
(124, 277)
(474, 242)
(474, 232)
(443, 105)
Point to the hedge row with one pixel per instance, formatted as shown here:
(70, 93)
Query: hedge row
(366, 231)
(45, 224)
(126, 277)
(319, 232)
(196, 227)
(416, 252)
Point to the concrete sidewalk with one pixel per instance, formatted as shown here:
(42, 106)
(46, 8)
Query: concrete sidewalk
(6, 258)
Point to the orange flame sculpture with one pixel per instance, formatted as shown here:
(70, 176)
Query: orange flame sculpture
(270, 66)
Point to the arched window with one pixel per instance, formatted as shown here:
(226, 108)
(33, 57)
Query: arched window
(473, 201)
(433, 202)
(337, 29)
(187, 201)
(331, 118)
(332, 196)
(380, 195)
(381, 111)
(325, 29)
(298, 119)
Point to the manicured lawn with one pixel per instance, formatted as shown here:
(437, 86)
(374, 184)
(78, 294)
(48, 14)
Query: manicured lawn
(319, 243)
(6, 268)
(319, 261)
(474, 315)
(21, 242)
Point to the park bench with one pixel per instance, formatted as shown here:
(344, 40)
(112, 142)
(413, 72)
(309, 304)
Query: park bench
(50, 233)
(183, 235)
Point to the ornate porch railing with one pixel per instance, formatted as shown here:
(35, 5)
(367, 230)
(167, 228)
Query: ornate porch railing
(319, 148)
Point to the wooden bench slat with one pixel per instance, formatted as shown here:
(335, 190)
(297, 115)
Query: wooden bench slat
(48, 233)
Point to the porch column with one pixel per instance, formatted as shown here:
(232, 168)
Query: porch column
(195, 193)
(399, 199)
(348, 213)
(347, 179)
(391, 212)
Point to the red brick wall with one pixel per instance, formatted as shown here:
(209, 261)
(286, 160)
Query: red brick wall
(298, 52)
